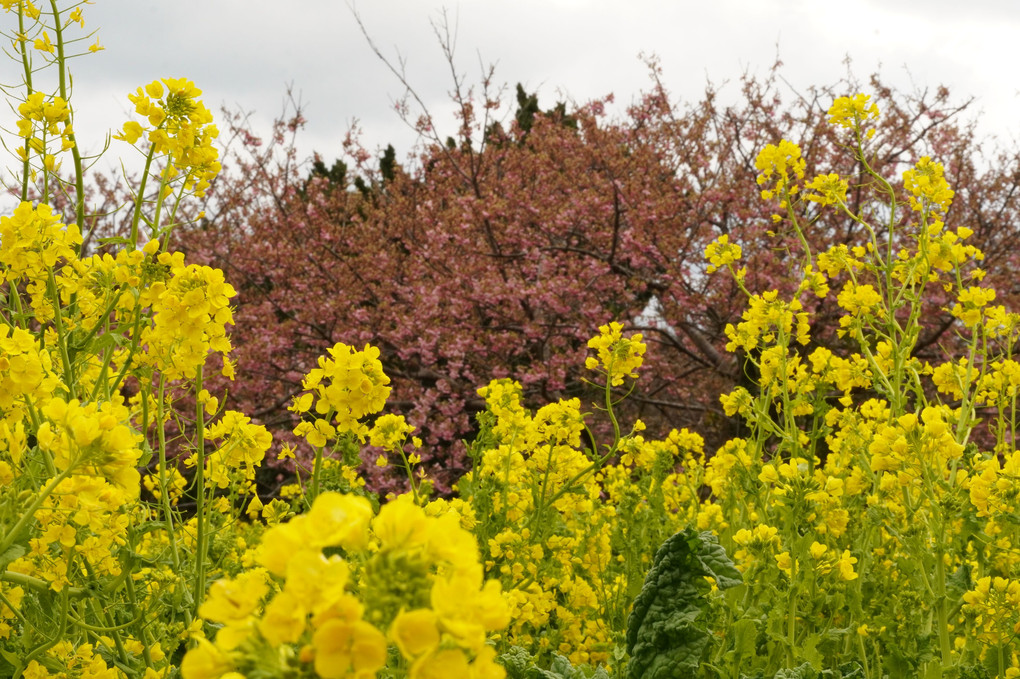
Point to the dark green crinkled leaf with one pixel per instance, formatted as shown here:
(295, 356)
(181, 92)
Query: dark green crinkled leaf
(665, 637)
(716, 563)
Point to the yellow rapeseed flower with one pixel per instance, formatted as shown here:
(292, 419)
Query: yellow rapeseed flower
(415, 632)
(851, 112)
(721, 252)
(618, 356)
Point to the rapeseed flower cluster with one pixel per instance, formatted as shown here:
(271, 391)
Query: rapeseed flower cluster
(422, 594)
(345, 387)
(780, 167)
(191, 309)
(26, 377)
(854, 113)
(970, 304)
(33, 242)
(829, 189)
(618, 356)
(241, 447)
(91, 437)
(41, 119)
(929, 191)
(767, 319)
(99, 567)
(179, 127)
(995, 605)
(721, 253)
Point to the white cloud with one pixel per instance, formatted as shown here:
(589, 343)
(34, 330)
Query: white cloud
(244, 53)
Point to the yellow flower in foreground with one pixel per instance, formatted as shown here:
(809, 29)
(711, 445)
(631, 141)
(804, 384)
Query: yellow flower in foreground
(283, 620)
(448, 663)
(348, 648)
(415, 632)
(401, 524)
(233, 599)
(337, 520)
(205, 661)
(316, 582)
(466, 611)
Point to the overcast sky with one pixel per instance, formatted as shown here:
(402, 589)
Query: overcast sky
(245, 53)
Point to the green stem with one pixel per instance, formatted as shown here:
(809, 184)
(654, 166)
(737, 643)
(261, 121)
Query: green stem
(791, 616)
(38, 584)
(168, 514)
(541, 505)
(317, 466)
(163, 181)
(609, 405)
(143, 634)
(118, 641)
(139, 199)
(316, 472)
(201, 536)
(62, 339)
(164, 494)
(792, 216)
(410, 474)
(135, 339)
(864, 655)
(79, 178)
(26, 168)
(941, 607)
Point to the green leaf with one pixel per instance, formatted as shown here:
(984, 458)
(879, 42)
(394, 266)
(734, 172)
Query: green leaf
(12, 661)
(519, 664)
(851, 670)
(666, 638)
(808, 650)
(974, 672)
(562, 669)
(745, 635)
(13, 553)
(805, 671)
(958, 582)
(743, 638)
